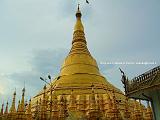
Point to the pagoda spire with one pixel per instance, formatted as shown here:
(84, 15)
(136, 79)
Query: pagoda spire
(2, 109)
(37, 110)
(5, 116)
(13, 108)
(1, 112)
(19, 105)
(28, 112)
(79, 40)
(12, 111)
(79, 55)
(6, 110)
(43, 105)
(22, 100)
(55, 107)
(78, 26)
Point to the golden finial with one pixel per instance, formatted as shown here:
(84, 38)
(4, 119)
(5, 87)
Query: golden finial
(29, 107)
(78, 13)
(78, 25)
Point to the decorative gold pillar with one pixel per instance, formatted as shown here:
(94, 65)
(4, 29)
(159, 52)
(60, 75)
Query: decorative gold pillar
(43, 110)
(72, 102)
(62, 108)
(81, 106)
(55, 107)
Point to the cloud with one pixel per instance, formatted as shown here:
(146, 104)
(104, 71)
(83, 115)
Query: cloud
(42, 63)
(103, 66)
(45, 61)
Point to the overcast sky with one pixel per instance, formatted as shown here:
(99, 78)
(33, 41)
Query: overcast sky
(36, 35)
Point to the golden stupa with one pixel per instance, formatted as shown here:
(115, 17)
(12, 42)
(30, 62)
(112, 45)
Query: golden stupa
(80, 91)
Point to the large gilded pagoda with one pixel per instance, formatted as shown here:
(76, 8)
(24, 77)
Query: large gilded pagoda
(80, 92)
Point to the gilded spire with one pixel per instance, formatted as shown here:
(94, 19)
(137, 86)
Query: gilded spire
(55, 100)
(43, 105)
(19, 105)
(2, 109)
(29, 107)
(23, 101)
(5, 115)
(13, 108)
(37, 109)
(78, 26)
(78, 35)
(6, 110)
(55, 107)
(28, 112)
(79, 55)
